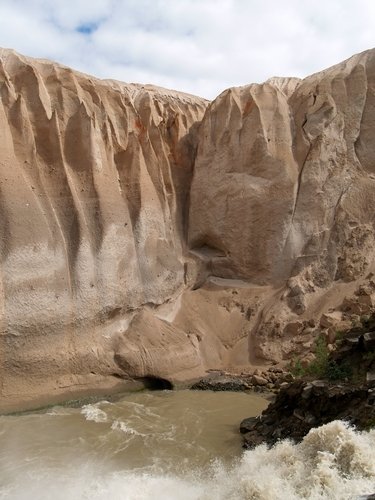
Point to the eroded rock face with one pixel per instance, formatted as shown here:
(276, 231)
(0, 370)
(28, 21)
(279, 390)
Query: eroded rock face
(283, 192)
(94, 185)
(244, 184)
(285, 178)
(149, 233)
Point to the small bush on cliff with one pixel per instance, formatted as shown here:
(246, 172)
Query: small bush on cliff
(322, 366)
(318, 367)
(296, 368)
(338, 372)
(340, 336)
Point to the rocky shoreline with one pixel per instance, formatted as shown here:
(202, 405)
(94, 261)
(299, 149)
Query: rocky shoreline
(304, 405)
(296, 405)
(345, 390)
(267, 381)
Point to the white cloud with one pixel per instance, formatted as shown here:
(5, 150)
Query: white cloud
(198, 46)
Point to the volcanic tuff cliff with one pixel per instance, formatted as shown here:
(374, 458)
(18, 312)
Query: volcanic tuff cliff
(149, 233)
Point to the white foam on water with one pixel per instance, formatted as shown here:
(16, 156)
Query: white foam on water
(93, 413)
(114, 486)
(333, 462)
(59, 411)
(123, 427)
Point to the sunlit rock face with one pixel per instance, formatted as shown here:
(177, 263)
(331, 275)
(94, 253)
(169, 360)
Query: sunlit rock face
(283, 194)
(149, 233)
(244, 187)
(284, 177)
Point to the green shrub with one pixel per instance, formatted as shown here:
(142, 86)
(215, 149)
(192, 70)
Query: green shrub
(296, 368)
(318, 367)
(338, 372)
(322, 366)
(339, 336)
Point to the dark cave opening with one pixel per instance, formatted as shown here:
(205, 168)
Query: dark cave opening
(157, 384)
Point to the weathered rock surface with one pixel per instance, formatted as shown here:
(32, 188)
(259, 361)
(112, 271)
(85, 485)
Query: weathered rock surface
(296, 170)
(347, 393)
(260, 381)
(303, 405)
(149, 233)
(283, 187)
(94, 183)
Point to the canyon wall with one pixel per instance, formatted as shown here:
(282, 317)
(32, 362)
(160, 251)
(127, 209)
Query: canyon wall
(94, 185)
(290, 201)
(150, 233)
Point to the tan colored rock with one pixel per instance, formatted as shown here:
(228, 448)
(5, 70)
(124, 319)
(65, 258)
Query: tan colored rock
(308, 359)
(244, 158)
(94, 180)
(355, 320)
(351, 306)
(367, 300)
(147, 232)
(292, 177)
(330, 335)
(344, 325)
(328, 320)
(308, 345)
(293, 328)
(258, 380)
(153, 347)
(359, 305)
(365, 290)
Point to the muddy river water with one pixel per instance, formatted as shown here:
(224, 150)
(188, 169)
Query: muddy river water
(174, 445)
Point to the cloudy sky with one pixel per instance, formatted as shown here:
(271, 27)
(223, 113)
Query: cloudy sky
(198, 46)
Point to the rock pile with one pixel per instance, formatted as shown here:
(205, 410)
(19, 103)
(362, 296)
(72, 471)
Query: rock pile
(267, 380)
(303, 405)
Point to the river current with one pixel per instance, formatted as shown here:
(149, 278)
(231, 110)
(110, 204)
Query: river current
(175, 445)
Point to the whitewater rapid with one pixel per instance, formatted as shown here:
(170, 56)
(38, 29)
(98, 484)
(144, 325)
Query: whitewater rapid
(175, 446)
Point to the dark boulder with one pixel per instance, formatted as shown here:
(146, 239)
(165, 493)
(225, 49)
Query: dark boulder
(304, 405)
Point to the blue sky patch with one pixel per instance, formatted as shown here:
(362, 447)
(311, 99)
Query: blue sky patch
(87, 28)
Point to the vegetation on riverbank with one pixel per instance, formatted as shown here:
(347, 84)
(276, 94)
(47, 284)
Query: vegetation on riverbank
(351, 360)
